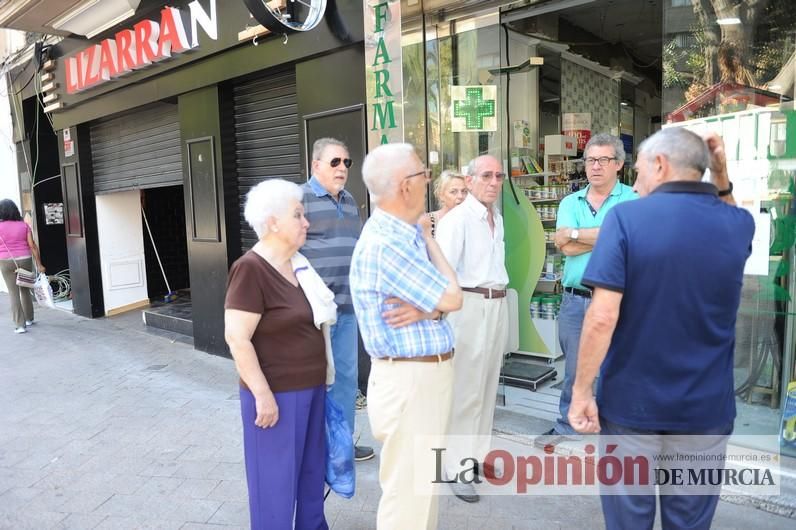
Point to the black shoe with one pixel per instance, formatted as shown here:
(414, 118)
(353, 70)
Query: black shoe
(465, 492)
(362, 453)
(549, 439)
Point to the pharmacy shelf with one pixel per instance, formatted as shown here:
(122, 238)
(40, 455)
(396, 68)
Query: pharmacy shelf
(542, 174)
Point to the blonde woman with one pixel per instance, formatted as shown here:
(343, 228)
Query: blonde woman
(450, 191)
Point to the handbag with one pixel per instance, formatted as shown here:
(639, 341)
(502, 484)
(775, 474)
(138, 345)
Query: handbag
(25, 278)
(340, 474)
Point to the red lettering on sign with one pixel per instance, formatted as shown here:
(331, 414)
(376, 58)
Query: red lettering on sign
(72, 75)
(146, 40)
(91, 66)
(125, 51)
(172, 34)
(107, 65)
(144, 44)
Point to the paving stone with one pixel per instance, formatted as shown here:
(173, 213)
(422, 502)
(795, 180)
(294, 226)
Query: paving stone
(160, 486)
(232, 513)
(196, 488)
(227, 471)
(230, 490)
(17, 498)
(198, 526)
(80, 521)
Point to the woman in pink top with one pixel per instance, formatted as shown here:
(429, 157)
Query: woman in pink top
(16, 249)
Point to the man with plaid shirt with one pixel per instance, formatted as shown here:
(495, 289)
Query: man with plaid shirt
(401, 285)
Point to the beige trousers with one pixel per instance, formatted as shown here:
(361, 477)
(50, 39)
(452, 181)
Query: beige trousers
(408, 405)
(481, 329)
(21, 303)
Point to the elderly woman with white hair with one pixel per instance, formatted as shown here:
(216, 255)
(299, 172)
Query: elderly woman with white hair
(273, 312)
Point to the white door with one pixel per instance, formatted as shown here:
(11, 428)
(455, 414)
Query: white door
(121, 245)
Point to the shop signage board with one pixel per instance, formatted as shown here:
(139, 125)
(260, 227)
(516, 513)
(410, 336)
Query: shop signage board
(146, 43)
(383, 71)
(577, 124)
(474, 108)
(69, 144)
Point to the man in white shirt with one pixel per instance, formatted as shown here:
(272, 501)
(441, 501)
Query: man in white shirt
(471, 237)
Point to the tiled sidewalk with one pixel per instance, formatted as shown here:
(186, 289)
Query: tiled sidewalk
(107, 426)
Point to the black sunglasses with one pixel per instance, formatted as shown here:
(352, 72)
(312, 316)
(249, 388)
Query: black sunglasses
(334, 162)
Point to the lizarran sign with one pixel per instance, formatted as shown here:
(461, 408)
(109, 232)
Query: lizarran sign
(146, 43)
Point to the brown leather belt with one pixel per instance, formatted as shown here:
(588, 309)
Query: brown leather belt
(425, 359)
(488, 293)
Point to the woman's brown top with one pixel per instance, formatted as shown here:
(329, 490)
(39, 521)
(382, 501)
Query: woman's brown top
(291, 350)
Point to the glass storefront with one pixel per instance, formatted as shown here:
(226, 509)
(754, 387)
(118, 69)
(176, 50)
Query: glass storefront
(530, 82)
(730, 67)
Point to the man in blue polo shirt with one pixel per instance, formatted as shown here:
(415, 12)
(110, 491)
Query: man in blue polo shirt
(579, 218)
(334, 229)
(667, 274)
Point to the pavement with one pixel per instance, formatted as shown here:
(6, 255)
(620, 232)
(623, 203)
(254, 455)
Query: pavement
(107, 425)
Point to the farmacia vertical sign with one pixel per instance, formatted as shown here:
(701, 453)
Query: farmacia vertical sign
(383, 72)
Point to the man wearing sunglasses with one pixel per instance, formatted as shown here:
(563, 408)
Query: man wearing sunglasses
(335, 225)
(471, 237)
(579, 218)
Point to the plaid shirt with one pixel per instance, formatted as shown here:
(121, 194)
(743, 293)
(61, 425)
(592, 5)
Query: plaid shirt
(391, 260)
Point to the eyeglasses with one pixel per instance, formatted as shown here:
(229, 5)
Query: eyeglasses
(487, 176)
(425, 172)
(334, 162)
(603, 160)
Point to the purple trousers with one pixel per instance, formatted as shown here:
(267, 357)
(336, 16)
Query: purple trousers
(286, 463)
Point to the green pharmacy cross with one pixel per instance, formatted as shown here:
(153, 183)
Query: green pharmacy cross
(473, 108)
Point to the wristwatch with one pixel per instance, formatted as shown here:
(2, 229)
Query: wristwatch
(574, 234)
(724, 193)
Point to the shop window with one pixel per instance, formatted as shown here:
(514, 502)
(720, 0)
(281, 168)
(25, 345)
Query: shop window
(732, 72)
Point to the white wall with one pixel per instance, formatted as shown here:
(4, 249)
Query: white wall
(9, 179)
(10, 42)
(121, 244)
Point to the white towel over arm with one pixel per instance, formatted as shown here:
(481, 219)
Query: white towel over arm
(321, 299)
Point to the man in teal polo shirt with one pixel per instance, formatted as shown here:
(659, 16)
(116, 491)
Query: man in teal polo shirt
(579, 218)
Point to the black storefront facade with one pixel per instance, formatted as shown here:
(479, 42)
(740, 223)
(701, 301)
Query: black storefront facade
(186, 137)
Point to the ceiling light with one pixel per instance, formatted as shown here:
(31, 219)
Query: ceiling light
(729, 21)
(536, 10)
(92, 17)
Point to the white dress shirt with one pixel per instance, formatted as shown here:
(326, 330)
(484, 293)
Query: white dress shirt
(476, 254)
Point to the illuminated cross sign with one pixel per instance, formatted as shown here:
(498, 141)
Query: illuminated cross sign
(474, 108)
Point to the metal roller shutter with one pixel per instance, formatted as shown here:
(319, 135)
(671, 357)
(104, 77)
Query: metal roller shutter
(137, 149)
(266, 136)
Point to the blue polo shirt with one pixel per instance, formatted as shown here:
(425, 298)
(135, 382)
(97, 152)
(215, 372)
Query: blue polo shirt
(576, 212)
(678, 256)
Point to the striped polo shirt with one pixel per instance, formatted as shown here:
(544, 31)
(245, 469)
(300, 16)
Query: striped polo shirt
(333, 233)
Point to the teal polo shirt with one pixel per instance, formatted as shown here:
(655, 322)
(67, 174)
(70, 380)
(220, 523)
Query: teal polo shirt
(575, 212)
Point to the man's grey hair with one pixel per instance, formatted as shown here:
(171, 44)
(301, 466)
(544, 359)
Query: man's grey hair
(605, 139)
(269, 198)
(472, 167)
(322, 143)
(382, 166)
(684, 149)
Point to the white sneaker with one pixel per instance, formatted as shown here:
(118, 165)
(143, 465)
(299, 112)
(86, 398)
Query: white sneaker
(29, 322)
(20, 330)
